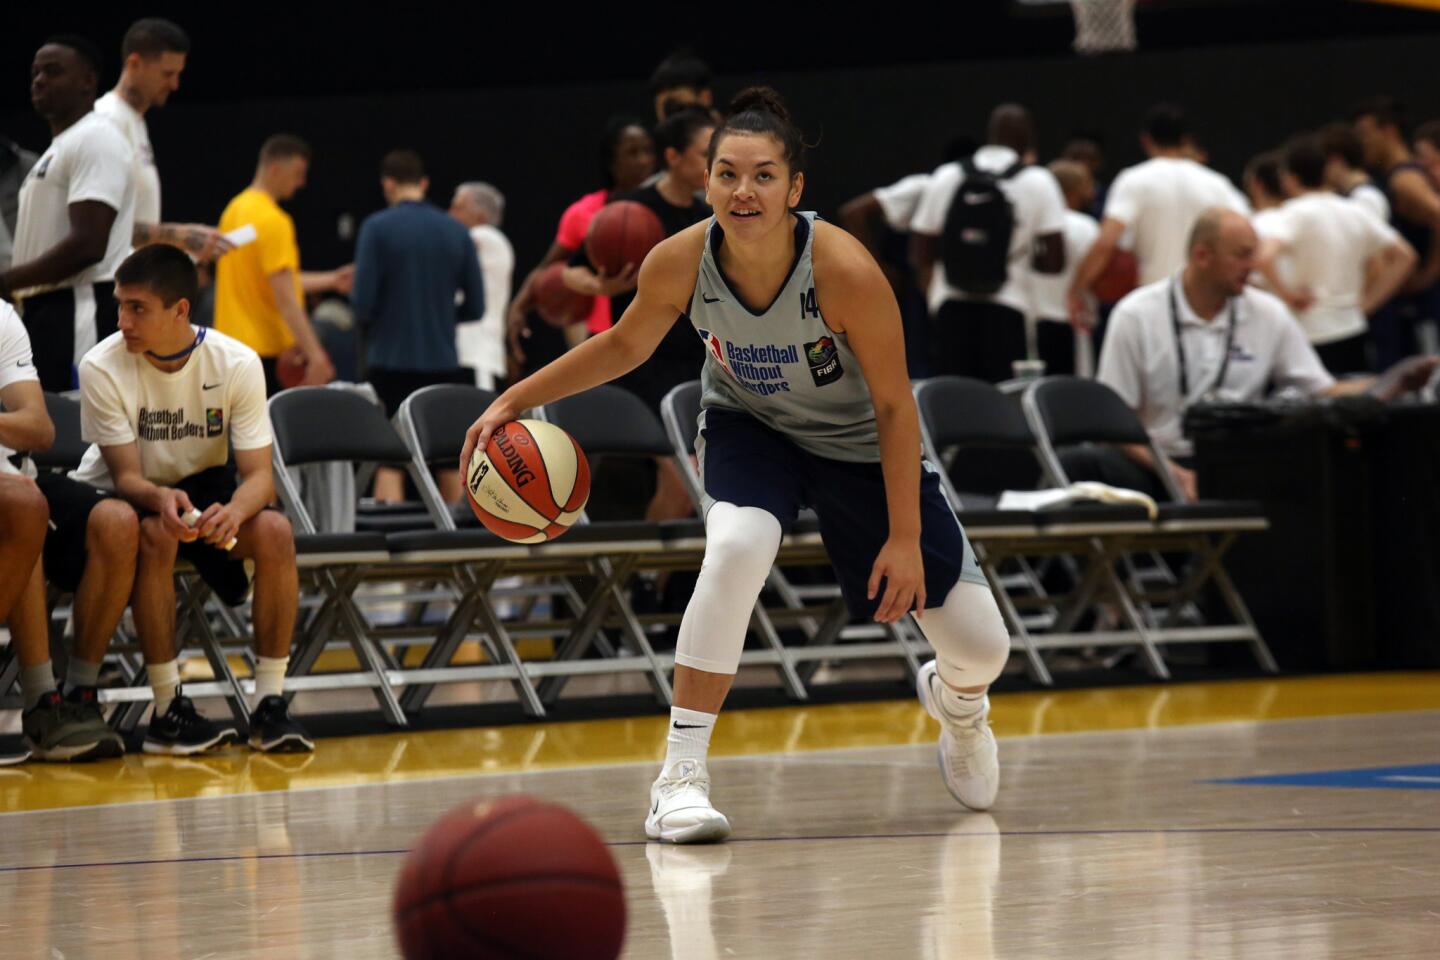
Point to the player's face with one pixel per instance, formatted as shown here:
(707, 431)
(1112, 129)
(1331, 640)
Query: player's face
(750, 186)
(689, 167)
(634, 159)
(146, 323)
(1234, 258)
(59, 80)
(159, 77)
(290, 176)
(1372, 140)
(1428, 156)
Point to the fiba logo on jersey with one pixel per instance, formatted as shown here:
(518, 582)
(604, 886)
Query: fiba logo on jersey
(824, 361)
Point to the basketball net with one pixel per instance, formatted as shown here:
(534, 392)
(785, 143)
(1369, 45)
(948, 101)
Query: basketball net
(1104, 26)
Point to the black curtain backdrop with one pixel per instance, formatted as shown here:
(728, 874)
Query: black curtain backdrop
(538, 143)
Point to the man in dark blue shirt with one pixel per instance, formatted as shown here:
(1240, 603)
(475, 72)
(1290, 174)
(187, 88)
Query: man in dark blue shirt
(411, 261)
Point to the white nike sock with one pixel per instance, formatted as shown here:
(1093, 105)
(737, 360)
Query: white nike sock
(689, 736)
(165, 681)
(270, 676)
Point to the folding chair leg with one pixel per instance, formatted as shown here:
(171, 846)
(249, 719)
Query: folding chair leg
(221, 667)
(658, 681)
(371, 657)
(1038, 671)
(762, 623)
(587, 625)
(1242, 613)
(447, 642)
(903, 632)
(9, 670)
(524, 688)
(1137, 623)
(830, 626)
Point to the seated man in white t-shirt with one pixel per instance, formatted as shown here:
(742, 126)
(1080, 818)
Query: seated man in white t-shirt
(89, 550)
(163, 403)
(24, 425)
(1343, 262)
(1205, 334)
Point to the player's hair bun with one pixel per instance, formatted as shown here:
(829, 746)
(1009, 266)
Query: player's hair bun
(763, 99)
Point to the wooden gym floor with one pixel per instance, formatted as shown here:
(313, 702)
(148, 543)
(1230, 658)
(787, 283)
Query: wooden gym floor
(1119, 833)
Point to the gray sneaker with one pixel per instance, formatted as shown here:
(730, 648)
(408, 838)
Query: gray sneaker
(69, 730)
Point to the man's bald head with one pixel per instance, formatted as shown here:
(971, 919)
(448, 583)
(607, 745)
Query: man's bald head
(1011, 126)
(1222, 250)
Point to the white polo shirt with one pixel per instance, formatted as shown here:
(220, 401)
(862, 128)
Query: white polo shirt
(899, 201)
(1049, 291)
(1329, 241)
(131, 124)
(89, 160)
(1039, 207)
(15, 366)
(480, 345)
(1140, 363)
(1158, 201)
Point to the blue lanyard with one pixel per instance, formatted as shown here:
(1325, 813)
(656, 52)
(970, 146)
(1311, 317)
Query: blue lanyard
(199, 339)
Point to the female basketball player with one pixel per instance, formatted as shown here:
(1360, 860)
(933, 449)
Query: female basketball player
(806, 402)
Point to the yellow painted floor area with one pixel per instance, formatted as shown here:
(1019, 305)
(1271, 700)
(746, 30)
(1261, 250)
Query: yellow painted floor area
(377, 759)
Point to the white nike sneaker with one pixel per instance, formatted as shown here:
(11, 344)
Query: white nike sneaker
(680, 808)
(969, 760)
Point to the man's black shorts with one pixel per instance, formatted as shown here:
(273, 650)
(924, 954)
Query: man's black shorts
(70, 504)
(227, 574)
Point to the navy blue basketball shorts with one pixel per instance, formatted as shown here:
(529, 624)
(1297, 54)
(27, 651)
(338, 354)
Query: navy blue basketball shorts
(748, 464)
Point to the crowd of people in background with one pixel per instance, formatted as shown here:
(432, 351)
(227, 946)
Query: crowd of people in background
(1168, 282)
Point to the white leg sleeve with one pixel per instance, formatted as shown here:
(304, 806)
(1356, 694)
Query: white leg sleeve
(740, 548)
(969, 636)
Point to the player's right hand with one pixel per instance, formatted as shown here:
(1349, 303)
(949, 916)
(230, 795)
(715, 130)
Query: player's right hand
(174, 505)
(318, 369)
(499, 413)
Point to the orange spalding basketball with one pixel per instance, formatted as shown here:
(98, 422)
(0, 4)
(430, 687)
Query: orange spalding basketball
(622, 233)
(530, 482)
(516, 879)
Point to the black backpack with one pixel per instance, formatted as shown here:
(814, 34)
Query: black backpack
(975, 246)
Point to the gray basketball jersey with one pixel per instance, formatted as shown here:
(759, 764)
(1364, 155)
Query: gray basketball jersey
(783, 365)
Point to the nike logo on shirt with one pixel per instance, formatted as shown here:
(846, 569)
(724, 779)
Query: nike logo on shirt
(22, 363)
(710, 299)
(210, 386)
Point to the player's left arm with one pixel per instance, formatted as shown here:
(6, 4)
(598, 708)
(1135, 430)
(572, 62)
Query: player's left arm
(857, 301)
(249, 433)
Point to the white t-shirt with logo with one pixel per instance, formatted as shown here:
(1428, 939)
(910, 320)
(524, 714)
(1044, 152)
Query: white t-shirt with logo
(899, 201)
(183, 421)
(480, 344)
(90, 160)
(1159, 200)
(16, 366)
(1328, 241)
(1049, 291)
(131, 123)
(1139, 362)
(1039, 207)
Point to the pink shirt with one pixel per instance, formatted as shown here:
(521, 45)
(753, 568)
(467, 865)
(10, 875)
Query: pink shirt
(574, 224)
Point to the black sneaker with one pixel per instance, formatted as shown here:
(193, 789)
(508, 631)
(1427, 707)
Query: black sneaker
(69, 732)
(14, 749)
(183, 731)
(272, 730)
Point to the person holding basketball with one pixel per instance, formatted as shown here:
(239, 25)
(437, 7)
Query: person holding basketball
(806, 403)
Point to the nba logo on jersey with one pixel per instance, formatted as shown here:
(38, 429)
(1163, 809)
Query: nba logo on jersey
(712, 344)
(824, 361)
(214, 421)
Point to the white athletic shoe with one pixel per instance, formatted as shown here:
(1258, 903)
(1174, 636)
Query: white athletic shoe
(680, 808)
(969, 761)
